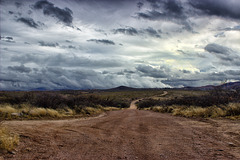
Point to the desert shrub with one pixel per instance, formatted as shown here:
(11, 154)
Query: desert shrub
(211, 99)
(233, 109)
(6, 111)
(8, 140)
(43, 112)
(110, 108)
(52, 113)
(230, 110)
(91, 111)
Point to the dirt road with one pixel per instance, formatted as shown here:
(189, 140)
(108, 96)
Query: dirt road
(127, 134)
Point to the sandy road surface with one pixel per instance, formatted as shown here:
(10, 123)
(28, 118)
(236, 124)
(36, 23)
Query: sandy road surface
(127, 134)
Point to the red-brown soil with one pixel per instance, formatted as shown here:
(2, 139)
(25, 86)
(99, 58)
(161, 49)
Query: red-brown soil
(127, 134)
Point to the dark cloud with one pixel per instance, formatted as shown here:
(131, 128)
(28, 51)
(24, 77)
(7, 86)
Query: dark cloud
(48, 44)
(235, 28)
(18, 4)
(221, 34)
(63, 15)
(133, 31)
(7, 39)
(128, 31)
(185, 71)
(67, 61)
(152, 32)
(227, 56)
(222, 8)
(71, 47)
(68, 41)
(61, 78)
(167, 10)
(152, 72)
(21, 69)
(215, 48)
(164, 9)
(128, 71)
(102, 41)
(181, 82)
(29, 22)
(140, 5)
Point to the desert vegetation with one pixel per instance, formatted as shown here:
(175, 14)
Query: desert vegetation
(214, 103)
(8, 140)
(63, 104)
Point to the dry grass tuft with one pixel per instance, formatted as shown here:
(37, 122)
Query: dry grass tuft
(91, 111)
(231, 111)
(8, 140)
(110, 108)
(52, 113)
(37, 112)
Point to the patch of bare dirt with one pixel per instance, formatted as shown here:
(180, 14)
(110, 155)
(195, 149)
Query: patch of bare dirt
(127, 134)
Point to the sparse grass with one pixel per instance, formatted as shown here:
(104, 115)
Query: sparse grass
(111, 108)
(91, 111)
(27, 111)
(8, 140)
(231, 111)
(8, 112)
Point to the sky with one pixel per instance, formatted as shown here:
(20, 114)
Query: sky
(99, 44)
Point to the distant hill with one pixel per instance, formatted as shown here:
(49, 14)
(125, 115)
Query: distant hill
(122, 88)
(229, 86)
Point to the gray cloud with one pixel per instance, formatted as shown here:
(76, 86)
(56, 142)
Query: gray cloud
(215, 48)
(235, 28)
(59, 78)
(63, 15)
(48, 44)
(18, 4)
(102, 41)
(152, 72)
(7, 39)
(133, 31)
(21, 69)
(226, 55)
(152, 32)
(140, 5)
(29, 22)
(220, 8)
(128, 31)
(167, 10)
(10, 12)
(67, 61)
(181, 82)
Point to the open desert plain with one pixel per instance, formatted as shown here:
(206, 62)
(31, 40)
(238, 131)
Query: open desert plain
(128, 133)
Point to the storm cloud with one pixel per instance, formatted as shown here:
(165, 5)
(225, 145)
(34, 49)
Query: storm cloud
(222, 8)
(225, 54)
(48, 44)
(20, 69)
(152, 72)
(89, 44)
(102, 41)
(63, 15)
(28, 21)
(128, 31)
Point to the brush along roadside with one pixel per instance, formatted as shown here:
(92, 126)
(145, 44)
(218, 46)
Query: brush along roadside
(27, 111)
(8, 140)
(231, 111)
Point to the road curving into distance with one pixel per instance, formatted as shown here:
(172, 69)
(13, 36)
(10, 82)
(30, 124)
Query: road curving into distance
(127, 134)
